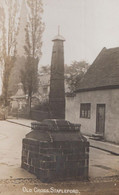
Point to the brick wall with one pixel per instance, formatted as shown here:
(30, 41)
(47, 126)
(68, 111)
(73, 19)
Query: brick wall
(57, 160)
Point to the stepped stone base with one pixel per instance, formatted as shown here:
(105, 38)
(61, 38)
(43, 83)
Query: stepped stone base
(56, 153)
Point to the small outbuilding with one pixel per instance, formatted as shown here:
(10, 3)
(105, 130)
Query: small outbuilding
(19, 103)
(96, 104)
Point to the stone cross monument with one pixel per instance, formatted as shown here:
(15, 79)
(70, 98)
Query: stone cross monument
(55, 150)
(57, 92)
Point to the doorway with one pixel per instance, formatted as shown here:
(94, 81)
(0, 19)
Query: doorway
(100, 119)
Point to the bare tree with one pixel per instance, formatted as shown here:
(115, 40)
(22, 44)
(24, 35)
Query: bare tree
(34, 30)
(9, 30)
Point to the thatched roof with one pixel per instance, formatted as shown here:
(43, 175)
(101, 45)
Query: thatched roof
(103, 73)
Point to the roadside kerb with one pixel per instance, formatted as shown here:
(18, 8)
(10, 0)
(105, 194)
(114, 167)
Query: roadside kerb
(19, 123)
(105, 146)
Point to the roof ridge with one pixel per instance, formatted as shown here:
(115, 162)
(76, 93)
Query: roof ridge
(99, 73)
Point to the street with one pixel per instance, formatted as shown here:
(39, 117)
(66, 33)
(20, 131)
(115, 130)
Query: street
(102, 164)
(10, 150)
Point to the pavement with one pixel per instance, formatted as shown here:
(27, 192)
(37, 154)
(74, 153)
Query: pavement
(106, 146)
(102, 145)
(19, 121)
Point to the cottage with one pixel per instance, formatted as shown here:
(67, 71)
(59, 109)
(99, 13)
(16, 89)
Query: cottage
(96, 104)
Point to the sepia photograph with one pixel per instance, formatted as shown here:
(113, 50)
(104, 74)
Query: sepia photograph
(59, 97)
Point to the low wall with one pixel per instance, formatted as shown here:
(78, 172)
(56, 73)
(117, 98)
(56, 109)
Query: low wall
(17, 114)
(39, 115)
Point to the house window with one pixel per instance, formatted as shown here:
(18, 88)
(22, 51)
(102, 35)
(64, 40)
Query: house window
(85, 110)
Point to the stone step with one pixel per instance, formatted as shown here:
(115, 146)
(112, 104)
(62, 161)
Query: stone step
(97, 137)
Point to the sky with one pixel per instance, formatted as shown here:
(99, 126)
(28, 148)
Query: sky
(87, 26)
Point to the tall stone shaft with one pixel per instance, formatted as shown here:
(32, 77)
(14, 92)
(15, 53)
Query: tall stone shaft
(57, 91)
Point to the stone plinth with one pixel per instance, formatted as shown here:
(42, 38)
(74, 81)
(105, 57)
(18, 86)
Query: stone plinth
(56, 150)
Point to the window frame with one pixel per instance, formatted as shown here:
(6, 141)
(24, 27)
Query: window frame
(85, 110)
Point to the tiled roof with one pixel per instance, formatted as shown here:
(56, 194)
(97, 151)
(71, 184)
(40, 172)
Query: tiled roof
(103, 73)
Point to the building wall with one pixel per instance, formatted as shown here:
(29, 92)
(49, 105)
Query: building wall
(44, 86)
(88, 126)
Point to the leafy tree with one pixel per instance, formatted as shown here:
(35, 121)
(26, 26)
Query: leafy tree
(34, 30)
(45, 69)
(9, 30)
(74, 74)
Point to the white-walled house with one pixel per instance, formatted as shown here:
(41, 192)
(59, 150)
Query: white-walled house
(96, 103)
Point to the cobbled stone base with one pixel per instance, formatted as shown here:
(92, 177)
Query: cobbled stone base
(55, 155)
